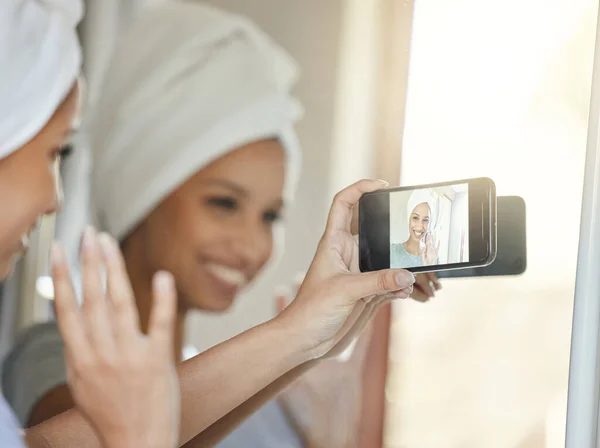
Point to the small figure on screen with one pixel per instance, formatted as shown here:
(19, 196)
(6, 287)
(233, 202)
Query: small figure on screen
(420, 249)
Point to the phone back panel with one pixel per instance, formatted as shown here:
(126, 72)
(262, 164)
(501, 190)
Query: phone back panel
(511, 254)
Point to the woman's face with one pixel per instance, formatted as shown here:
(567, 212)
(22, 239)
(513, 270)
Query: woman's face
(215, 233)
(419, 221)
(29, 183)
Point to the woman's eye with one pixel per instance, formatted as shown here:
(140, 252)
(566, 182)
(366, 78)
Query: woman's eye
(271, 217)
(65, 150)
(223, 203)
(62, 152)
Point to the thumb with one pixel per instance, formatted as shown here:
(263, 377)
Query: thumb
(387, 280)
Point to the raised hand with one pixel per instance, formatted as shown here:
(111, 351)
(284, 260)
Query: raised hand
(430, 254)
(123, 381)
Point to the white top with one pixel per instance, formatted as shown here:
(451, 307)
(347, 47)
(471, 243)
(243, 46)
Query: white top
(11, 436)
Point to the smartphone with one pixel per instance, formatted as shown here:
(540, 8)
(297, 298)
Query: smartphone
(511, 256)
(428, 228)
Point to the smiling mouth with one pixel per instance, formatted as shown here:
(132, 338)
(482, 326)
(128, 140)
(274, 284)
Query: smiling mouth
(419, 235)
(228, 277)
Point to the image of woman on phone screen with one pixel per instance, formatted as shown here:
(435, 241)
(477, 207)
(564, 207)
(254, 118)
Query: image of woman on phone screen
(420, 248)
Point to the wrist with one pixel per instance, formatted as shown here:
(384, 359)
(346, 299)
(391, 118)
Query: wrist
(296, 343)
(117, 440)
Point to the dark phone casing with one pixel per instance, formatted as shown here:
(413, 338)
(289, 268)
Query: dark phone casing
(511, 253)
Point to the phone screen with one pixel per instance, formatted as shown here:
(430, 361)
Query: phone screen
(427, 228)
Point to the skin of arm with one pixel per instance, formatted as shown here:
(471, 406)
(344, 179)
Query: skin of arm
(206, 392)
(333, 305)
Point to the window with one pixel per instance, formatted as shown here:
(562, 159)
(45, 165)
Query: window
(500, 89)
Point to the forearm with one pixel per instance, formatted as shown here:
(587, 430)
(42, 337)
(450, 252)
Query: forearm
(212, 385)
(221, 428)
(65, 430)
(239, 369)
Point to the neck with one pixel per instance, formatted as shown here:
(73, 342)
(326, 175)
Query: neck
(413, 247)
(141, 282)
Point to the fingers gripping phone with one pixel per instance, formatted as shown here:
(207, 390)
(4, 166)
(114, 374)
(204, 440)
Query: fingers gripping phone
(429, 228)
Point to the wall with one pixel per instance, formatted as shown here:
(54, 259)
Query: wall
(398, 218)
(458, 221)
(310, 31)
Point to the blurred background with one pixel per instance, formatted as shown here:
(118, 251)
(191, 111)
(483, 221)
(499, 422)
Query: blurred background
(418, 91)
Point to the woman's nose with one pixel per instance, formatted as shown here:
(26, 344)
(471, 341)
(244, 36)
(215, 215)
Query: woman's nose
(252, 242)
(57, 199)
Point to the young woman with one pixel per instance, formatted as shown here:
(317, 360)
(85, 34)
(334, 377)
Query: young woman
(123, 382)
(419, 249)
(197, 190)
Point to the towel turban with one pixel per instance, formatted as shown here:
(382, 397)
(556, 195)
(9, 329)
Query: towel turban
(187, 84)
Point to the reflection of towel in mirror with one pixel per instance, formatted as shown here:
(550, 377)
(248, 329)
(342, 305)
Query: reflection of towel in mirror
(187, 84)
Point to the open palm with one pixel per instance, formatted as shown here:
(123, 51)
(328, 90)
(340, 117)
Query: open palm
(430, 254)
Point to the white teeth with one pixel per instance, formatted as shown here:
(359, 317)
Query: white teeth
(228, 275)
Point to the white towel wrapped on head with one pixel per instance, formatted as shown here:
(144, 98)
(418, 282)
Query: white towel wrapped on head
(40, 59)
(187, 84)
(418, 197)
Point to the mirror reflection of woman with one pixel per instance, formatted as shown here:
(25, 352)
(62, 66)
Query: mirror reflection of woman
(127, 390)
(420, 248)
